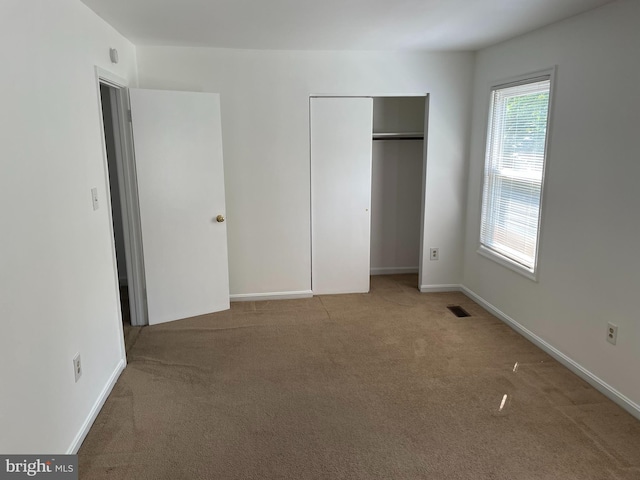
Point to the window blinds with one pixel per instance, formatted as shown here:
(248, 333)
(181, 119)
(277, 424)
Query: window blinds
(513, 172)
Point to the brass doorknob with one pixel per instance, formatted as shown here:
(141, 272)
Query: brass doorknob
(220, 219)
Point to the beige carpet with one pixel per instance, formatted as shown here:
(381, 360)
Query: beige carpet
(388, 385)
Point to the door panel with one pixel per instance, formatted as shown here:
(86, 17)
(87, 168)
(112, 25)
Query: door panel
(178, 151)
(341, 149)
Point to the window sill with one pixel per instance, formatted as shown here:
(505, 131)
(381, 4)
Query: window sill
(508, 263)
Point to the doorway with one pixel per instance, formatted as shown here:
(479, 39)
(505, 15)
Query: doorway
(167, 199)
(125, 216)
(110, 124)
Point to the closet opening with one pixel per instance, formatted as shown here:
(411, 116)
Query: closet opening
(396, 187)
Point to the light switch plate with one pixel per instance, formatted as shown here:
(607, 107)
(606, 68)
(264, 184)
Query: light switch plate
(94, 198)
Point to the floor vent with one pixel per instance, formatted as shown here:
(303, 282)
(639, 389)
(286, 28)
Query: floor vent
(458, 311)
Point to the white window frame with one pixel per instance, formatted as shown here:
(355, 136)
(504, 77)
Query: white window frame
(507, 262)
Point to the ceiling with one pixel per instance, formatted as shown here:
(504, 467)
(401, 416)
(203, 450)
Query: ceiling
(333, 24)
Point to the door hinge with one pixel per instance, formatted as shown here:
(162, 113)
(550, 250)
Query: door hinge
(129, 116)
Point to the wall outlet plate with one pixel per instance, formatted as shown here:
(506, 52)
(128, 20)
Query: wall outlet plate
(434, 254)
(77, 367)
(612, 333)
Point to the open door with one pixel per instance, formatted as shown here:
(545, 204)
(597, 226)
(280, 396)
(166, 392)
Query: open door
(341, 146)
(178, 151)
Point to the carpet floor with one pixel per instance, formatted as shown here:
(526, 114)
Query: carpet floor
(386, 385)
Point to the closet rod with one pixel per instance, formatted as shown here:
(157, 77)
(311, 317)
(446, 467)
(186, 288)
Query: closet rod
(399, 136)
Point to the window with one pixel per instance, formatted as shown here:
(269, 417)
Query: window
(514, 172)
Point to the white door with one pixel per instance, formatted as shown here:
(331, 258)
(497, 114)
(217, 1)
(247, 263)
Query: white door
(178, 151)
(341, 147)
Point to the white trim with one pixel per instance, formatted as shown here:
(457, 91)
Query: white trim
(93, 414)
(603, 387)
(441, 288)
(110, 78)
(423, 191)
(392, 270)
(250, 297)
(522, 78)
(507, 262)
(372, 95)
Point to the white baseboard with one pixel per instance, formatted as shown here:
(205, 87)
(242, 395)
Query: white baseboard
(440, 288)
(392, 270)
(256, 297)
(603, 387)
(93, 414)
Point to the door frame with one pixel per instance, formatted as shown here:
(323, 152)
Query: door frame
(424, 170)
(128, 186)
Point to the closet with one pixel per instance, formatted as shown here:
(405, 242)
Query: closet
(366, 189)
(396, 184)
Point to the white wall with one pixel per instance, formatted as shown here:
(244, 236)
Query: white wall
(57, 278)
(589, 266)
(396, 179)
(265, 123)
(398, 114)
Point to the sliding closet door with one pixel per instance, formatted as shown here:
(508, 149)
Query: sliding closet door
(341, 132)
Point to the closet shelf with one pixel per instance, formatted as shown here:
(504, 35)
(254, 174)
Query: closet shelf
(399, 136)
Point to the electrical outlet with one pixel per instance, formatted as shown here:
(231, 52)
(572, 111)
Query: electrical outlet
(434, 254)
(77, 367)
(612, 333)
